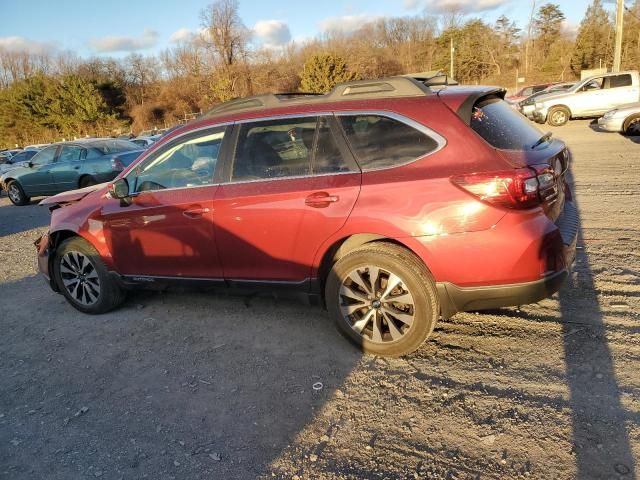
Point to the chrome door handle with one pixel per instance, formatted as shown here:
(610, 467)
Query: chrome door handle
(195, 212)
(321, 200)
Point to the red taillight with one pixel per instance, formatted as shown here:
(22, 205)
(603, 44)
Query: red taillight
(519, 188)
(117, 165)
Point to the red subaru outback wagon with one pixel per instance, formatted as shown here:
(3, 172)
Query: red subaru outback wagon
(393, 203)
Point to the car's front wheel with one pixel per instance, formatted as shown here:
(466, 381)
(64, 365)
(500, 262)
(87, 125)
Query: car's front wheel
(16, 194)
(383, 298)
(558, 116)
(83, 278)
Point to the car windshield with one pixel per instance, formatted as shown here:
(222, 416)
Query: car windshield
(503, 127)
(114, 146)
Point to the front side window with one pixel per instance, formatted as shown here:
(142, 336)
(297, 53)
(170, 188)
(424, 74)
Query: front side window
(595, 84)
(69, 153)
(189, 163)
(45, 156)
(382, 142)
(274, 149)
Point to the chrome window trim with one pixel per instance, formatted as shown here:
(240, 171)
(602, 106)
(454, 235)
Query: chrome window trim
(439, 139)
(189, 132)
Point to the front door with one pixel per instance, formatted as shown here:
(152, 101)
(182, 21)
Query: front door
(291, 186)
(166, 230)
(39, 180)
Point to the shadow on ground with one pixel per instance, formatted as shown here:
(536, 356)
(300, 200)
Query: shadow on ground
(172, 384)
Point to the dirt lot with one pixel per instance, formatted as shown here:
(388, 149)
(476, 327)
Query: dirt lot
(192, 385)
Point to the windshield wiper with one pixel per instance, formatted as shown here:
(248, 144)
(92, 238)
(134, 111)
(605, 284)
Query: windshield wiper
(545, 138)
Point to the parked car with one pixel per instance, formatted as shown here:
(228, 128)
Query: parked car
(393, 204)
(527, 92)
(65, 166)
(592, 97)
(527, 106)
(145, 142)
(18, 160)
(624, 119)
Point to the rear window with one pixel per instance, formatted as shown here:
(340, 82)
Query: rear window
(620, 81)
(503, 127)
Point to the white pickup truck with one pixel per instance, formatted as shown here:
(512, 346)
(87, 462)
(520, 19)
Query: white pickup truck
(591, 97)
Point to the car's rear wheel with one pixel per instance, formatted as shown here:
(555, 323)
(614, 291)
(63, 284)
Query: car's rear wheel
(16, 194)
(631, 126)
(558, 116)
(83, 278)
(382, 298)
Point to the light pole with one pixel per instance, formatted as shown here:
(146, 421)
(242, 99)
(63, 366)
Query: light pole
(617, 58)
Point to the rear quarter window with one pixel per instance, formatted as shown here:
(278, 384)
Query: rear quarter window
(502, 127)
(383, 142)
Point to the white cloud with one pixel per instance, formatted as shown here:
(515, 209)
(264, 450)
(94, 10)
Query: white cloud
(182, 35)
(570, 28)
(272, 33)
(125, 44)
(466, 6)
(347, 23)
(21, 44)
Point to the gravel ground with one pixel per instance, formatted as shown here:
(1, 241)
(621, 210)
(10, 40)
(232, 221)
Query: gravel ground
(211, 385)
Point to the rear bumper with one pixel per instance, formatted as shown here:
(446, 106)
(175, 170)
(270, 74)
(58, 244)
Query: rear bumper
(558, 256)
(455, 299)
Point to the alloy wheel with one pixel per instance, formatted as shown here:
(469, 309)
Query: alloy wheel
(14, 193)
(559, 118)
(377, 304)
(80, 278)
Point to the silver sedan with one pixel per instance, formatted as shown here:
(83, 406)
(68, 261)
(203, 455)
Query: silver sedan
(624, 119)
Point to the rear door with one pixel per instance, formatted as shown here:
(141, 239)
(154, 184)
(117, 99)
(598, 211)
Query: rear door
(620, 90)
(290, 186)
(66, 169)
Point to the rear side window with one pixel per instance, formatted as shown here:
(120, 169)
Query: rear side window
(502, 127)
(382, 142)
(620, 81)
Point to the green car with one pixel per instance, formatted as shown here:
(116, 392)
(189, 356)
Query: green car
(67, 166)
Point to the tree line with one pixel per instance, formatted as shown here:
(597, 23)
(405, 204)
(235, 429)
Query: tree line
(47, 97)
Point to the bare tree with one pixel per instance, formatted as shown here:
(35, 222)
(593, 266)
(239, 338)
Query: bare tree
(225, 33)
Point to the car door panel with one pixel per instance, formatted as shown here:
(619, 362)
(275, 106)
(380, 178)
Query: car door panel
(271, 229)
(39, 180)
(164, 233)
(67, 168)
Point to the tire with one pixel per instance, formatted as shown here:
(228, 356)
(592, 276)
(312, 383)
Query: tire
(379, 327)
(558, 116)
(87, 181)
(16, 194)
(83, 278)
(631, 126)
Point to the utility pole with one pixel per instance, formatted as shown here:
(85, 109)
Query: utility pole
(452, 68)
(528, 42)
(617, 59)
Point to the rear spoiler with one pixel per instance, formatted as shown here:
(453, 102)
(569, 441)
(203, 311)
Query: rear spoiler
(465, 110)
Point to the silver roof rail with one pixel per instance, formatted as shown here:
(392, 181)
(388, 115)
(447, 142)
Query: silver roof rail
(356, 90)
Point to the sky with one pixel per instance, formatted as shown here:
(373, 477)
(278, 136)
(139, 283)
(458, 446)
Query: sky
(119, 27)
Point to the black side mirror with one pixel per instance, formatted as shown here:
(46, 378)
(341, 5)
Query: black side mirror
(30, 164)
(120, 189)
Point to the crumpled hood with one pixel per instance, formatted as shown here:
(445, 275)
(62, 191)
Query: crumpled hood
(72, 196)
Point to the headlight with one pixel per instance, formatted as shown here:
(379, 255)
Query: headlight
(610, 114)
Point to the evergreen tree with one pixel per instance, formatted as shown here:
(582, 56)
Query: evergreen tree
(594, 43)
(548, 24)
(322, 72)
